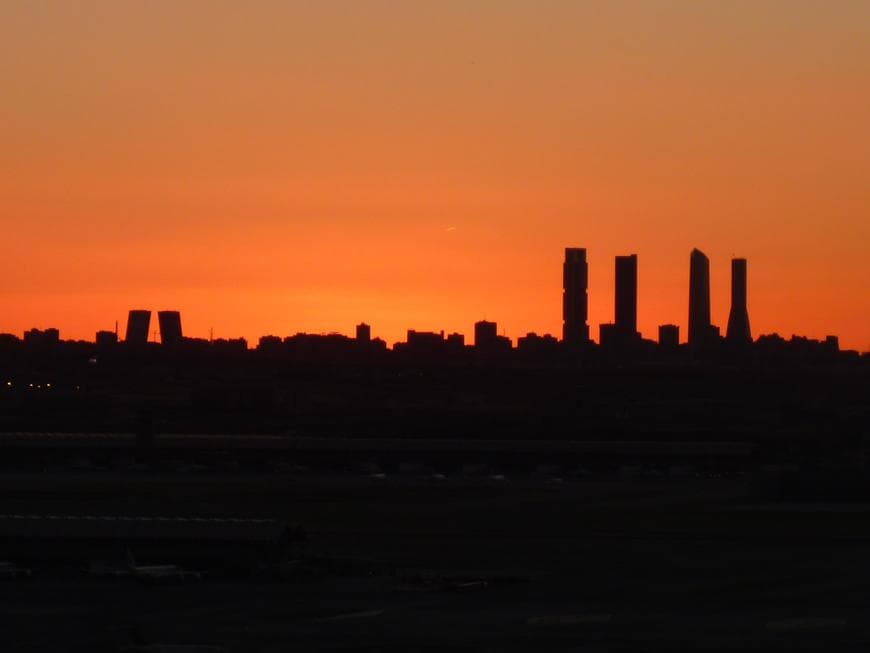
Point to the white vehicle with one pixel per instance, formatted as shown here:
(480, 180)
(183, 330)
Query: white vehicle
(11, 571)
(161, 573)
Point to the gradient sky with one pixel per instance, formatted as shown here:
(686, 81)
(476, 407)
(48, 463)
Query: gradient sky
(277, 166)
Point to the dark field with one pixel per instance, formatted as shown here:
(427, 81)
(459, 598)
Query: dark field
(599, 564)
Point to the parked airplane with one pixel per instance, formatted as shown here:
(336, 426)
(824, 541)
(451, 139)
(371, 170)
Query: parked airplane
(161, 573)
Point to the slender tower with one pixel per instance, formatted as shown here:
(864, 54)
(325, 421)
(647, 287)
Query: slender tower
(699, 298)
(575, 272)
(738, 319)
(626, 295)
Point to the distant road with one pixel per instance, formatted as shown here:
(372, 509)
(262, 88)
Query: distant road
(242, 441)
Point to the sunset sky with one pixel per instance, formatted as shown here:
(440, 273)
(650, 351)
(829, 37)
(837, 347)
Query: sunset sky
(268, 167)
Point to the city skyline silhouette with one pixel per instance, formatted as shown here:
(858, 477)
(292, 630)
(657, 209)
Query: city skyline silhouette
(256, 180)
(434, 326)
(574, 300)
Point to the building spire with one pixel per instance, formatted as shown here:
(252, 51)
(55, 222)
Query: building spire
(738, 318)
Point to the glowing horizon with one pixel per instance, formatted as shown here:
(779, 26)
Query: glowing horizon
(593, 328)
(273, 167)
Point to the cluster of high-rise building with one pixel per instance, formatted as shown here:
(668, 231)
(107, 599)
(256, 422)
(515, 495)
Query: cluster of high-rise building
(620, 335)
(623, 331)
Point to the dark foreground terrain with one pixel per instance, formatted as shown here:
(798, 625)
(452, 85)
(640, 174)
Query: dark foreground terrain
(602, 562)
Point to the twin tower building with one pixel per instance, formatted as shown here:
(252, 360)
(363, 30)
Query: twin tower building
(139, 323)
(623, 331)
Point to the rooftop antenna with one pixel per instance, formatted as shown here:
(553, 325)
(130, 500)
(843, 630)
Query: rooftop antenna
(210, 334)
(116, 328)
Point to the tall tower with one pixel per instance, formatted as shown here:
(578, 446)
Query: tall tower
(170, 327)
(699, 298)
(575, 278)
(138, 323)
(738, 318)
(626, 295)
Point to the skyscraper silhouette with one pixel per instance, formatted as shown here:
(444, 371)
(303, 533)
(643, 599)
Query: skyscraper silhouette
(485, 334)
(363, 332)
(699, 299)
(738, 318)
(170, 327)
(626, 295)
(138, 323)
(575, 278)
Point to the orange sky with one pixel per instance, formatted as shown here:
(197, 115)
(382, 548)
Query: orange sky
(274, 167)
